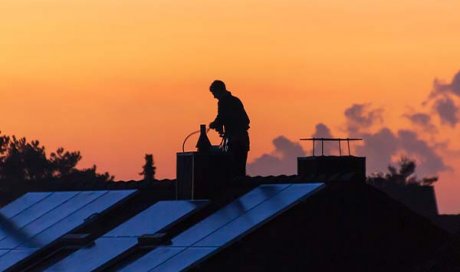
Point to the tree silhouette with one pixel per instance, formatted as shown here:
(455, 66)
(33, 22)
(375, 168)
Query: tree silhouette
(21, 160)
(404, 175)
(64, 162)
(149, 168)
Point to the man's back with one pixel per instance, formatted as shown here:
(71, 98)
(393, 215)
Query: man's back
(232, 115)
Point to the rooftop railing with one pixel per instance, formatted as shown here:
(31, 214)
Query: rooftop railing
(339, 140)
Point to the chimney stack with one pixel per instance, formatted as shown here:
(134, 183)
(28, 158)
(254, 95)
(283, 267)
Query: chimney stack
(201, 174)
(332, 167)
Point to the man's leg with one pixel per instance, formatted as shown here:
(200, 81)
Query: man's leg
(239, 154)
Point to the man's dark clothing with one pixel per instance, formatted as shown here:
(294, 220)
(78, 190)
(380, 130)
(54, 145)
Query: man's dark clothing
(233, 122)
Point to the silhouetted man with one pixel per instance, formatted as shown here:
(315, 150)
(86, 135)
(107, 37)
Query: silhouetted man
(232, 122)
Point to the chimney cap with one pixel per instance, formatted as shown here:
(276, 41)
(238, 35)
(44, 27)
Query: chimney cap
(331, 139)
(322, 140)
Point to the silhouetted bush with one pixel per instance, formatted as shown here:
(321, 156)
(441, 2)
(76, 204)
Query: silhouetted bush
(405, 175)
(21, 160)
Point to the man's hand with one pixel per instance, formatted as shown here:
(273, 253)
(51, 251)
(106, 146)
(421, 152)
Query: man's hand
(217, 127)
(212, 125)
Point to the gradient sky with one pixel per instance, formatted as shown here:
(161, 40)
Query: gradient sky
(118, 79)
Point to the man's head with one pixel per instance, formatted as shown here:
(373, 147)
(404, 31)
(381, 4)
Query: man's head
(218, 88)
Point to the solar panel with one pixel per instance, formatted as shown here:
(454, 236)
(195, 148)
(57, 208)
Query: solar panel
(57, 211)
(184, 259)
(3, 252)
(73, 220)
(147, 221)
(13, 256)
(31, 213)
(153, 259)
(257, 215)
(228, 213)
(37, 219)
(223, 227)
(155, 218)
(87, 259)
(22, 203)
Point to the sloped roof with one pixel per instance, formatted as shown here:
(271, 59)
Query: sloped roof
(346, 225)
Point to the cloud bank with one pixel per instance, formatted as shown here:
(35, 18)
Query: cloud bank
(386, 145)
(422, 120)
(382, 145)
(444, 99)
(283, 160)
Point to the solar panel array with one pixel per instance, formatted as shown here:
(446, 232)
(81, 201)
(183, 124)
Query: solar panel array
(223, 227)
(36, 220)
(39, 219)
(155, 218)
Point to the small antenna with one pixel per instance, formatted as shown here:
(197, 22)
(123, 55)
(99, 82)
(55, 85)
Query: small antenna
(322, 140)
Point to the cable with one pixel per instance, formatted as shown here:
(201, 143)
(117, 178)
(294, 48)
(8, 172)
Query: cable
(188, 136)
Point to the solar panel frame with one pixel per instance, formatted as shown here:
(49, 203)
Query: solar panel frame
(13, 256)
(77, 218)
(113, 246)
(22, 203)
(134, 227)
(53, 216)
(66, 208)
(3, 252)
(93, 202)
(126, 239)
(257, 216)
(179, 255)
(34, 212)
(228, 213)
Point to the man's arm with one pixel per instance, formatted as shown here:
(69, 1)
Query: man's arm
(218, 123)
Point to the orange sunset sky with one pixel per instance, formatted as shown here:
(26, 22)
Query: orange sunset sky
(117, 79)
